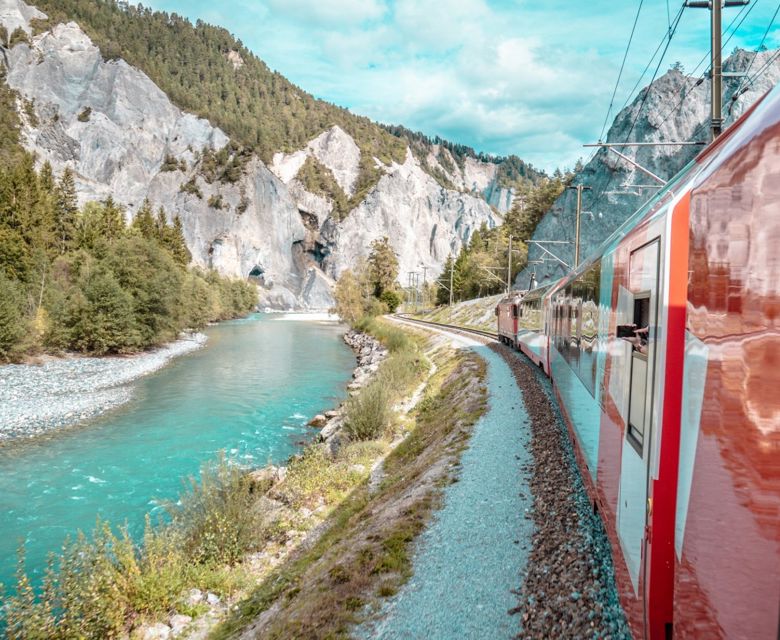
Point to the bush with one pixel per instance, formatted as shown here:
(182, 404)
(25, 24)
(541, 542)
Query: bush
(391, 299)
(215, 517)
(12, 320)
(85, 114)
(367, 414)
(97, 587)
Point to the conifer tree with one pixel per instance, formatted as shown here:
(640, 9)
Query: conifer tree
(65, 211)
(178, 246)
(112, 221)
(144, 221)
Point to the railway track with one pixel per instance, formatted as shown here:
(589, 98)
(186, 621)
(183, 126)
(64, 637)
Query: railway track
(450, 327)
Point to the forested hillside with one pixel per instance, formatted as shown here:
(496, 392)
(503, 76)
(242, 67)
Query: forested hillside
(205, 70)
(481, 267)
(512, 171)
(80, 279)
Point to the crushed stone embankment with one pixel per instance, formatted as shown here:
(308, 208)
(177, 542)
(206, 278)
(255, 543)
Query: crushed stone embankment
(473, 553)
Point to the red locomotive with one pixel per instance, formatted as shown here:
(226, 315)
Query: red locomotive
(664, 352)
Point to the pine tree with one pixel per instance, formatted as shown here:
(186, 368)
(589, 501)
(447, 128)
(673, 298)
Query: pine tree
(66, 210)
(12, 325)
(161, 227)
(178, 246)
(144, 221)
(112, 221)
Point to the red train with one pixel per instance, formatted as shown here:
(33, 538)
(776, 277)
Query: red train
(664, 352)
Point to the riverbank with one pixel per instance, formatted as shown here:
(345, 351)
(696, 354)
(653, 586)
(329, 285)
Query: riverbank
(62, 392)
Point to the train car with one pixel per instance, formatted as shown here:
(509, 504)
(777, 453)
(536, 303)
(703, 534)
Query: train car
(507, 313)
(532, 331)
(664, 351)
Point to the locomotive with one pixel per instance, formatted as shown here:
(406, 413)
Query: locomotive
(663, 348)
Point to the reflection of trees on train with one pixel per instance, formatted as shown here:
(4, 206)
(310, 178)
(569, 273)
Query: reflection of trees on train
(747, 384)
(575, 330)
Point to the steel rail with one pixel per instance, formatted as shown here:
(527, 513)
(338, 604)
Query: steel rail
(449, 327)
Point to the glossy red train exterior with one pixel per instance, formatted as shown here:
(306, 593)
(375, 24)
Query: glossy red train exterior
(664, 351)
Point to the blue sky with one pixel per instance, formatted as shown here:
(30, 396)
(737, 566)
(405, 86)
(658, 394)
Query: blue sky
(532, 78)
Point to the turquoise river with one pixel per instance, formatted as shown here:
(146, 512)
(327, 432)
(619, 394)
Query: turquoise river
(248, 392)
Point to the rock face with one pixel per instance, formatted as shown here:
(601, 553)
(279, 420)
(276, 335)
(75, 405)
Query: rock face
(424, 222)
(116, 129)
(122, 136)
(676, 108)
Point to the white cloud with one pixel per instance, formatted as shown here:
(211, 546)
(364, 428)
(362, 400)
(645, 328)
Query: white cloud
(516, 76)
(329, 12)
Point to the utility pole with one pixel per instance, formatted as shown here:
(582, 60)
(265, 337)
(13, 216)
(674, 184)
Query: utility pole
(579, 188)
(452, 272)
(716, 36)
(509, 268)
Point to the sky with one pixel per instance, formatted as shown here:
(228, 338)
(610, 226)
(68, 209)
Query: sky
(531, 78)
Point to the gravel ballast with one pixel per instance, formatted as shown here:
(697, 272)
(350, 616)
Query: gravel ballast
(568, 590)
(62, 392)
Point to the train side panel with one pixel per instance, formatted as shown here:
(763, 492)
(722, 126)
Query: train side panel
(608, 364)
(532, 338)
(506, 316)
(727, 538)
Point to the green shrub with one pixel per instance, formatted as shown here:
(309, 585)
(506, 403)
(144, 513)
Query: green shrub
(367, 414)
(98, 586)
(12, 321)
(191, 187)
(391, 299)
(216, 517)
(85, 114)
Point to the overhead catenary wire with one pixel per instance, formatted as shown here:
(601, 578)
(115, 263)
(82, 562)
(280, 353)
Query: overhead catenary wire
(622, 66)
(744, 80)
(667, 40)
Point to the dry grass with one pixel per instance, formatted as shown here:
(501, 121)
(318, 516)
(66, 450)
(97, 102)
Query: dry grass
(364, 555)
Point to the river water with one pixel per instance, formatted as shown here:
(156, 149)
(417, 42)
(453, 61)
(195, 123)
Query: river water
(249, 393)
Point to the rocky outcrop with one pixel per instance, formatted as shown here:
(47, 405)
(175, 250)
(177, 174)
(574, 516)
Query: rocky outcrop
(119, 132)
(424, 222)
(122, 136)
(369, 353)
(674, 107)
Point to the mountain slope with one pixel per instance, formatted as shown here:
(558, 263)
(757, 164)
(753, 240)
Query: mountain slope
(675, 107)
(122, 137)
(205, 70)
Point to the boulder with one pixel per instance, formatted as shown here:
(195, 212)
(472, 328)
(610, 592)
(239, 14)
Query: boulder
(318, 421)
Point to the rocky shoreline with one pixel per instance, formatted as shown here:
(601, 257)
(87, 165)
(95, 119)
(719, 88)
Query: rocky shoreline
(369, 353)
(36, 399)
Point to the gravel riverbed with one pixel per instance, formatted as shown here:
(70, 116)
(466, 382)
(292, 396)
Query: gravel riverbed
(62, 392)
(568, 590)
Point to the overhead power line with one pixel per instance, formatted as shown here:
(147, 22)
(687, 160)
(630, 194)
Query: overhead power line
(742, 82)
(622, 66)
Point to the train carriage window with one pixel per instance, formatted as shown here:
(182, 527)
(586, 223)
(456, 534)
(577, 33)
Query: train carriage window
(637, 335)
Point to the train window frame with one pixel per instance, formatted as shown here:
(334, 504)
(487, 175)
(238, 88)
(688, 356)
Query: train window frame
(635, 436)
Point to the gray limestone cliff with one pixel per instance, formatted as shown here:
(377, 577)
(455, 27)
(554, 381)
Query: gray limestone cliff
(424, 222)
(673, 108)
(123, 137)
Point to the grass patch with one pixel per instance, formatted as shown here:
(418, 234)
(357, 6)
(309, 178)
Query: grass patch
(364, 555)
(100, 586)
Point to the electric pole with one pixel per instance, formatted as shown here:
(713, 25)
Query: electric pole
(509, 268)
(716, 36)
(452, 272)
(579, 188)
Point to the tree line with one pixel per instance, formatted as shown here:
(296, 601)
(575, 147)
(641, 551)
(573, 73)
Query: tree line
(80, 279)
(481, 266)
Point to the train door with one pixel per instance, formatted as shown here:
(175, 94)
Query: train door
(640, 331)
